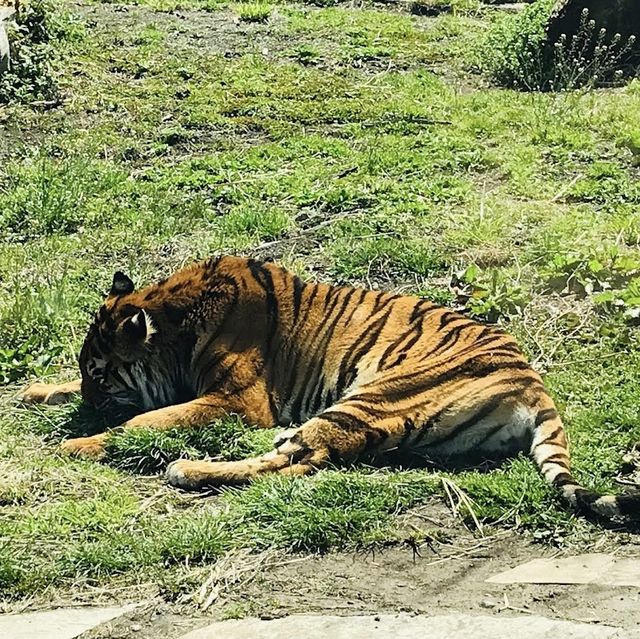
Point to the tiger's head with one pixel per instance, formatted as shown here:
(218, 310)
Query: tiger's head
(117, 355)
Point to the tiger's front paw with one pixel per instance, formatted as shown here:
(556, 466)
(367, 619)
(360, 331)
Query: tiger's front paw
(191, 475)
(51, 394)
(284, 436)
(86, 447)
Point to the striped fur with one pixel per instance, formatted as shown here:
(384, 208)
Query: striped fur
(363, 372)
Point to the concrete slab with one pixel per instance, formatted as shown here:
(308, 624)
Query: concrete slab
(595, 568)
(408, 627)
(64, 623)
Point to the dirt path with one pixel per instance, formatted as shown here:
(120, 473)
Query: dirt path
(445, 576)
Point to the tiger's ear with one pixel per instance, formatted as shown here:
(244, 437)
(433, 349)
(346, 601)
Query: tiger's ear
(139, 326)
(121, 285)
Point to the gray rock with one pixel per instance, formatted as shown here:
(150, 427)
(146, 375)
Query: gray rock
(408, 627)
(594, 568)
(63, 623)
(5, 54)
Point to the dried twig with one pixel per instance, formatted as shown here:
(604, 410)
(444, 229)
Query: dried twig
(461, 499)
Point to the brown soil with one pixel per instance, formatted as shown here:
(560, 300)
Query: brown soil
(443, 577)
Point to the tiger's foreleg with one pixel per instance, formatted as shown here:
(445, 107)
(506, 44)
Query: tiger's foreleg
(196, 413)
(52, 394)
(340, 434)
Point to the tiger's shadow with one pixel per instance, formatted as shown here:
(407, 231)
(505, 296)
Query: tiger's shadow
(478, 463)
(83, 421)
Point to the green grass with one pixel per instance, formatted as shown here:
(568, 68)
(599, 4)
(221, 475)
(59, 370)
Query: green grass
(358, 146)
(253, 11)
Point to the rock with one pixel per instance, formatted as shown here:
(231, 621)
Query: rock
(616, 16)
(5, 54)
(409, 627)
(594, 568)
(63, 623)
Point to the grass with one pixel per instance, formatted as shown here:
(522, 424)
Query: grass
(356, 146)
(254, 11)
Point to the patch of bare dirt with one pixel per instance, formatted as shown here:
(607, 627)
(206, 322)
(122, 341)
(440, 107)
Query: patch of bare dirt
(443, 576)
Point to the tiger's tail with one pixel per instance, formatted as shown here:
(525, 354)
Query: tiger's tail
(550, 451)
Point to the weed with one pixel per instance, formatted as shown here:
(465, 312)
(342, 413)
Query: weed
(518, 53)
(253, 11)
(36, 37)
(491, 294)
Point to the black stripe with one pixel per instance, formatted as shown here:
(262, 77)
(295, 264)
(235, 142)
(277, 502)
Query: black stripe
(395, 344)
(403, 353)
(448, 317)
(548, 438)
(471, 369)
(419, 310)
(264, 278)
(374, 436)
(310, 301)
(298, 288)
(319, 350)
(545, 416)
(451, 337)
(379, 295)
(314, 403)
(362, 344)
(564, 479)
(562, 459)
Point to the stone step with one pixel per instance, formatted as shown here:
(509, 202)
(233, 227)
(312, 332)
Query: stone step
(63, 623)
(408, 627)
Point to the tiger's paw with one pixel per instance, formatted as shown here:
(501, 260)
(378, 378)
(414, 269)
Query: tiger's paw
(284, 436)
(85, 447)
(191, 475)
(52, 394)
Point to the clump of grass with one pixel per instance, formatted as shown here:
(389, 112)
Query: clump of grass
(32, 324)
(43, 195)
(150, 451)
(436, 7)
(518, 54)
(331, 510)
(36, 36)
(254, 11)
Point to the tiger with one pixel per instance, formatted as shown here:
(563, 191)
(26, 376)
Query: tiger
(349, 372)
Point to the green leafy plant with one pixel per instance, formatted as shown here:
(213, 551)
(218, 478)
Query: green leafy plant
(490, 295)
(35, 37)
(625, 301)
(30, 358)
(584, 275)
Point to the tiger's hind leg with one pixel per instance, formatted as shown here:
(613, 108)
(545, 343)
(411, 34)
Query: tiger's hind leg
(343, 432)
(52, 394)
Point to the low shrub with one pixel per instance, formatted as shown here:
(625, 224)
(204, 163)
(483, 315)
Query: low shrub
(518, 54)
(34, 36)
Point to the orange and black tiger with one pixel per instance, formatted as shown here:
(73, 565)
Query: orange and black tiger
(362, 372)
